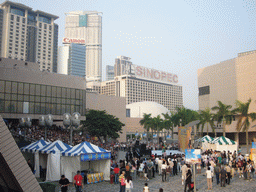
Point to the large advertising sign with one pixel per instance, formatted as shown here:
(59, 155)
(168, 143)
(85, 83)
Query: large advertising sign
(184, 136)
(153, 74)
(69, 41)
(95, 156)
(193, 156)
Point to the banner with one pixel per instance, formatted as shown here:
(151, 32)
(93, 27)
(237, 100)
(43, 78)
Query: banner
(254, 145)
(95, 156)
(95, 178)
(168, 136)
(155, 136)
(144, 135)
(184, 136)
(253, 155)
(193, 156)
(136, 134)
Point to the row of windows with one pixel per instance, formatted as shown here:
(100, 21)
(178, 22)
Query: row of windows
(39, 90)
(37, 108)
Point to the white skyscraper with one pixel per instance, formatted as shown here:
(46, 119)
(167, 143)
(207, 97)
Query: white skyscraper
(28, 35)
(87, 25)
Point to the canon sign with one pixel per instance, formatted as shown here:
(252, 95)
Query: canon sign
(77, 41)
(155, 74)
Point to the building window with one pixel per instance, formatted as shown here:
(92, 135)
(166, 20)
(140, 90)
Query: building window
(204, 90)
(128, 112)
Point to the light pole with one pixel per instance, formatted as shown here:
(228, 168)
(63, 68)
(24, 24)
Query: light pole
(46, 122)
(71, 122)
(25, 123)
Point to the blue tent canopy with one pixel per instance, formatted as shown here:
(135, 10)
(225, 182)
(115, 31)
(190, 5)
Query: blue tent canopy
(55, 147)
(35, 146)
(88, 152)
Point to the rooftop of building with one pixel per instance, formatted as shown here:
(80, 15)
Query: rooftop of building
(22, 6)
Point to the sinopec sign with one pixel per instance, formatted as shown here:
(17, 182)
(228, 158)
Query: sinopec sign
(154, 74)
(69, 41)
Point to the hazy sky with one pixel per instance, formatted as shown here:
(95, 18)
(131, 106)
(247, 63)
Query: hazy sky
(176, 36)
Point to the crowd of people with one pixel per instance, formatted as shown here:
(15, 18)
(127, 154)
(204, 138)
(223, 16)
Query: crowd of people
(223, 166)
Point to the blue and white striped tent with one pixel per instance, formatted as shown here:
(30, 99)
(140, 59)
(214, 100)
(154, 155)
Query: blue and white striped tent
(55, 147)
(35, 146)
(88, 151)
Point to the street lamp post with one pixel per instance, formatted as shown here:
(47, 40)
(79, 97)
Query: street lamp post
(25, 123)
(71, 122)
(46, 122)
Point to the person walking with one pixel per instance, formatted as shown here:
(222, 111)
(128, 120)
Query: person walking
(227, 168)
(171, 166)
(217, 173)
(240, 168)
(223, 175)
(64, 183)
(245, 169)
(116, 172)
(145, 170)
(234, 168)
(78, 182)
(209, 178)
(188, 180)
(184, 170)
(122, 181)
(145, 188)
(175, 164)
(128, 184)
(164, 166)
(160, 161)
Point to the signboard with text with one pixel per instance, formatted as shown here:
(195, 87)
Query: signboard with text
(69, 41)
(150, 74)
(95, 156)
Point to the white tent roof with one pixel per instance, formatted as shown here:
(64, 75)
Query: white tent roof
(37, 145)
(223, 141)
(83, 148)
(55, 147)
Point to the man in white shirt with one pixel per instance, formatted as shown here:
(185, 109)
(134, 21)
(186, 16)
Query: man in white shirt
(171, 164)
(160, 161)
(184, 170)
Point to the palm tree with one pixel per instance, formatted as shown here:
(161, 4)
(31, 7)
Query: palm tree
(224, 115)
(167, 122)
(157, 125)
(146, 122)
(244, 118)
(184, 116)
(206, 118)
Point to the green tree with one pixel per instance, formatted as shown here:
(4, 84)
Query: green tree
(101, 124)
(224, 114)
(146, 122)
(206, 118)
(244, 118)
(183, 116)
(157, 125)
(168, 122)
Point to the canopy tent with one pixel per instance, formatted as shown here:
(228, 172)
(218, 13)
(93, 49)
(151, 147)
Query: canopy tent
(223, 144)
(85, 156)
(37, 145)
(205, 141)
(54, 151)
(33, 148)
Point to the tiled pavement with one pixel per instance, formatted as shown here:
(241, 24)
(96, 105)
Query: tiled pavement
(174, 185)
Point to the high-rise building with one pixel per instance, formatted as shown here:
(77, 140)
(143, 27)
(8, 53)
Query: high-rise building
(122, 65)
(87, 25)
(110, 73)
(28, 35)
(71, 59)
(137, 83)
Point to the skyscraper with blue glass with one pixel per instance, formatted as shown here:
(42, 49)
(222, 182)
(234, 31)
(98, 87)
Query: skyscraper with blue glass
(71, 59)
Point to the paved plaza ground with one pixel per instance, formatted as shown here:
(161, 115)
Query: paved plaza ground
(174, 185)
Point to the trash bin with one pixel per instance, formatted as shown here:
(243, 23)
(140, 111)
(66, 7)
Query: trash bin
(112, 177)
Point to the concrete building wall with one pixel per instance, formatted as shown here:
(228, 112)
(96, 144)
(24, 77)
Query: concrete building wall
(229, 81)
(113, 105)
